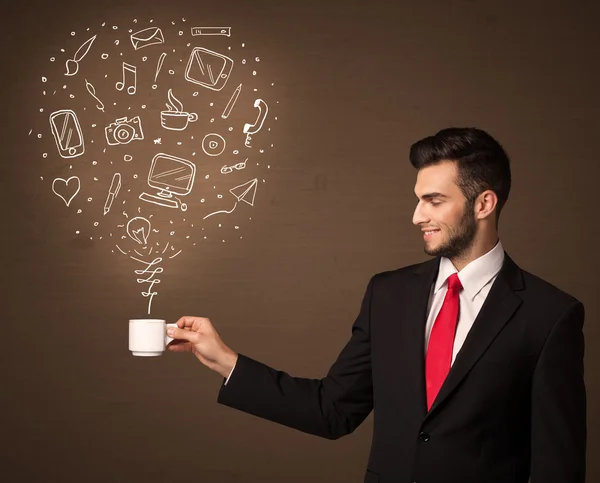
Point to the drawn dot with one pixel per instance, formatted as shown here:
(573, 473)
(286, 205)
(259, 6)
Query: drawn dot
(202, 200)
(44, 92)
(96, 223)
(52, 59)
(188, 44)
(117, 42)
(127, 158)
(62, 50)
(103, 24)
(172, 233)
(253, 72)
(94, 163)
(220, 225)
(181, 32)
(44, 79)
(219, 196)
(179, 143)
(95, 179)
(130, 30)
(243, 61)
(45, 155)
(79, 210)
(272, 145)
(115, 27)
(255, 89)
(144, 58)
(135, 176)
(229, 47)
(183, 19)
(71, 96)
(230, 128)
(143, 106)
(39, 136)
(211, 104)
(104, 56)
(212, 119)
(257, 59)
(72, 34)
(77, 232)
(154, 86)
(243, 45)
(194, 153)
(173, 50)
(135, 20)
(172, 22)
(207, 176)
(90, 198)
(195, 94)
(171, 71)
(235, 151)
(41, 109)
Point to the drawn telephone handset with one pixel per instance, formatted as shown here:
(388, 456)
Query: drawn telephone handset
(250, 129)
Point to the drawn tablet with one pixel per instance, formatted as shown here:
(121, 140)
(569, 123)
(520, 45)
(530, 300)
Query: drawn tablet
(208, 69)
(67, 133)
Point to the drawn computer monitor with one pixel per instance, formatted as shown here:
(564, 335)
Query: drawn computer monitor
(171, 176)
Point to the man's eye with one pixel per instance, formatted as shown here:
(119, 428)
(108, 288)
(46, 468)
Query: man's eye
(435, 202)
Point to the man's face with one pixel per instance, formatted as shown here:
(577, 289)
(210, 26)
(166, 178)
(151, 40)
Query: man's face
(447, 220)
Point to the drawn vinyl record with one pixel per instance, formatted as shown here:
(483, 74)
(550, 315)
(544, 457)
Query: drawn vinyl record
(213, 144)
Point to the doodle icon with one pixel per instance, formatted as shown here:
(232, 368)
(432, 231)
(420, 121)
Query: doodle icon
(66, 189)
(171, 176)
(250, 129)
(67, 133)
(123, 131)
(176, 119)
(72, 65)
(147, 37)
(213, 144)
(208, 69)
(138, 229)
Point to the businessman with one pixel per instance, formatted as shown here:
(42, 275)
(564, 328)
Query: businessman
(473, 366)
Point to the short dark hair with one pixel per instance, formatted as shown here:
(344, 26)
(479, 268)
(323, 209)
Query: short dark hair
(481, 161)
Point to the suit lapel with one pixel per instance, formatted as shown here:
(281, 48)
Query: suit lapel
(499, 306)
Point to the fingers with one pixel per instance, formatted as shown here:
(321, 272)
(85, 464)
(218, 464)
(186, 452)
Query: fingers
(183, 334)
(179, 346)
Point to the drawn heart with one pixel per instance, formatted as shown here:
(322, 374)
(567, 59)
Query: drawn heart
(63, 185)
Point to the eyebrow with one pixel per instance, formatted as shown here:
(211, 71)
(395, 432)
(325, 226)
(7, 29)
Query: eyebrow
(428, 196)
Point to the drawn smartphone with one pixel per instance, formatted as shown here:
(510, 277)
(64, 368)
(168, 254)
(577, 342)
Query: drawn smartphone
(263, 109)
(67, 133)
(208, 69)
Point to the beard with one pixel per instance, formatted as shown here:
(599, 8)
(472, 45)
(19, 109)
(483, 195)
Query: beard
(460, 238)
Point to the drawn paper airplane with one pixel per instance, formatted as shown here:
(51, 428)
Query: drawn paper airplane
(244, 192)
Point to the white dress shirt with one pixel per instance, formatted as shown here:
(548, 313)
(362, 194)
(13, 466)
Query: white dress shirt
(476, 278)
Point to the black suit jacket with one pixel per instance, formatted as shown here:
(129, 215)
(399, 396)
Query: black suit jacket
(513, 404)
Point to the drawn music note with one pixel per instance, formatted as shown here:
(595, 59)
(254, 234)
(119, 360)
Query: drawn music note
(129, 71)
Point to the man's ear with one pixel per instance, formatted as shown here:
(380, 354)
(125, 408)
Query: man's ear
(485, 204)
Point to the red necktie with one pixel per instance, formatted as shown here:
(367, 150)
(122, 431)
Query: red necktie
(441, 341)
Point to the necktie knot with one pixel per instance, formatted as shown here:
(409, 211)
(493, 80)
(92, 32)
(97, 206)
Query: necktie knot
(454, 282)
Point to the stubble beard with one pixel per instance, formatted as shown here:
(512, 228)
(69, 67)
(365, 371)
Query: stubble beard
(460, 239)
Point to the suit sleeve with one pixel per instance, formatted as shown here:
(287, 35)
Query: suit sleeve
(558, 411)
(330, 407)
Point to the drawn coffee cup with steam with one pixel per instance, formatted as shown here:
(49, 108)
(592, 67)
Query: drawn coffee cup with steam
(176, 119)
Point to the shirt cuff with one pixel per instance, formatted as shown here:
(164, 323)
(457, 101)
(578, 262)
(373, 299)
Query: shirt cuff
(227, 380)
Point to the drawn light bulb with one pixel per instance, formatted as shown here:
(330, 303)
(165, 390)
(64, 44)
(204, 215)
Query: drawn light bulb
(138, 229)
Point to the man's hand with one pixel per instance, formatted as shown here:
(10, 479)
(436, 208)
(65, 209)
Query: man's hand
(197, 335)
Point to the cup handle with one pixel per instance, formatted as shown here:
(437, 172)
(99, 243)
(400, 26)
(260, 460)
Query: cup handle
(167, 338)
(193, 117)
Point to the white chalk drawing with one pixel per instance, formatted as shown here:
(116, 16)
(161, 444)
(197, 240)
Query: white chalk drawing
(72, 65)
(147, 37)
(152, 271)
(92, 90)
(229, 169)
(213, 144)
(66, 189)
(123, 131)
(171, 176)
(232, 100)
(113, 191)
(159, 64)
(138, 229)
(67, 133)
(250, 129)
(176, 119)
(129, 79)
(208, 69)
(226, 31)
(244, 192)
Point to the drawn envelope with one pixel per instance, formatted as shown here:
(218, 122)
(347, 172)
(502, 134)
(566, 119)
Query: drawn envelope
(147, 37)
(208, 69)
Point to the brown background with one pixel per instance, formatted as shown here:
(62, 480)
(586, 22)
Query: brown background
(358, 83)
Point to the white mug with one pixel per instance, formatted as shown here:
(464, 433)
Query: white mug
(148, 337)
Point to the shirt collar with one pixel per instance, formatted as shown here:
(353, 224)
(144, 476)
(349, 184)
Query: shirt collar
(476, 274)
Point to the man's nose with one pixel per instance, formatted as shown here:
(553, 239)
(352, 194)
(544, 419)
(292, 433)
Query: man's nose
(418, 216)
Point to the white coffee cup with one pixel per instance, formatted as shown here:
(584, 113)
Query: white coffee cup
(148, 337)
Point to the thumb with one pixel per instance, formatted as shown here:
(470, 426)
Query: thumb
(181, 334)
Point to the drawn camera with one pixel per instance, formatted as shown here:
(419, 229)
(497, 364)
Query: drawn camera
(123, 131)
